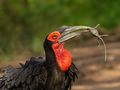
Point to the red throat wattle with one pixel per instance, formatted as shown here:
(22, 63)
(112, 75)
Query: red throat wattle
(63, 56)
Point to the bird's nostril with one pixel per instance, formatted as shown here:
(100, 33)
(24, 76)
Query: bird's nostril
(63, 28)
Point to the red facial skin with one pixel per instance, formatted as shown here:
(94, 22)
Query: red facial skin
(63, 56)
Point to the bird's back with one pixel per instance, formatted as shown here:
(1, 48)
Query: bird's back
(31, 76)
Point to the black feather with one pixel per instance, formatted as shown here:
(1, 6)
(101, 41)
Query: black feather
(33, 76)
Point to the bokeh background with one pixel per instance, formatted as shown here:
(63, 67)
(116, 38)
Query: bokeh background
(25, 23)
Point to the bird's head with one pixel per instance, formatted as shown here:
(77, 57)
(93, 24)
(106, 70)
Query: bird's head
(55, 42)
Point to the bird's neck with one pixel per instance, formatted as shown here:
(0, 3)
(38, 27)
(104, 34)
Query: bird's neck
(63, 57)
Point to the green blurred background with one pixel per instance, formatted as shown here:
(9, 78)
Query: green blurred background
(25, 23)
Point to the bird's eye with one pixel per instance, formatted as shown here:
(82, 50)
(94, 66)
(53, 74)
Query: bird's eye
(54, 36)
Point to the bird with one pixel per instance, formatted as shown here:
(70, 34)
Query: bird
(56, 71)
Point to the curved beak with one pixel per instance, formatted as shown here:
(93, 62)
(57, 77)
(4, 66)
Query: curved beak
(68, 32)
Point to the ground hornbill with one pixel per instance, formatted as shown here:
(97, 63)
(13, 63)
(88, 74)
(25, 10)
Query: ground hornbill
(55, 72)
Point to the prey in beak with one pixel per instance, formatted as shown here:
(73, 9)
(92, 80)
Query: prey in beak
(68, 32)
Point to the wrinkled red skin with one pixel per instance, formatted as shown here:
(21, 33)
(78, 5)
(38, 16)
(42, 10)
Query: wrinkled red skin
(63, 56)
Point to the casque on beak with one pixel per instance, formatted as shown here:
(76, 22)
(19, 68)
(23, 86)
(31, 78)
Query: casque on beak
(68, 32)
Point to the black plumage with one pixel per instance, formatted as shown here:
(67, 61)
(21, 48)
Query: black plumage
(34, 76)
(39, 74)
